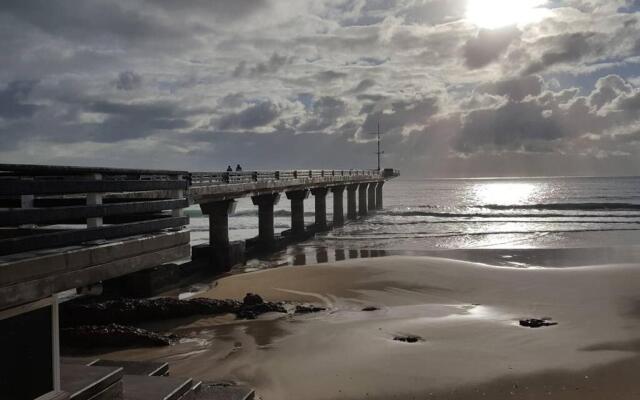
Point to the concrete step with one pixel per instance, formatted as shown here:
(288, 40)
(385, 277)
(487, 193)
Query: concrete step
(79, 360)
(91, 383)
(140, 387)
(223, 391)
(148, 368)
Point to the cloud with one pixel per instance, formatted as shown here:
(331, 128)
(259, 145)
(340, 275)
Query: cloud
(257, 115)
(119, 81)
(13, 100)
(515, 89)
(566, 48)
(128, 80)
(271, 66)
(488, 45)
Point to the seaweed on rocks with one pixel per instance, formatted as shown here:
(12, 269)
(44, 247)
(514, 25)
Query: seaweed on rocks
(112, 335)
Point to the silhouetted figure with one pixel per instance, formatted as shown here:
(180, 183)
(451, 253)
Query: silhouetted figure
(238, 168)
(229, 169)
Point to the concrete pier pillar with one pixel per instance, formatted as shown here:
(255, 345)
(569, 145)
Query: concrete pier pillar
(265, 205)
(379, 204)
(297, 210)
(371, 202)
(218, 213)
(320, 196)
(224, 255)
(338, 201)
(352, 212)
(362, 199)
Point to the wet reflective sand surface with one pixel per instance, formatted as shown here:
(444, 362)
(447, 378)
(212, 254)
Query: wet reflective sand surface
(466, 314)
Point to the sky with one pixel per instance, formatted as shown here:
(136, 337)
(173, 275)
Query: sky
(461, 88)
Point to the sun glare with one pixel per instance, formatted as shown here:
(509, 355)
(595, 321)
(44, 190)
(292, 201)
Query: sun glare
(493, 14)
(506, 193)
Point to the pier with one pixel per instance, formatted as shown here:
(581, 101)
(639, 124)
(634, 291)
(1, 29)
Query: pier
(71, 228)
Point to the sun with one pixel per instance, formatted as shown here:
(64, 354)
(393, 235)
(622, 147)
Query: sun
(493, 14)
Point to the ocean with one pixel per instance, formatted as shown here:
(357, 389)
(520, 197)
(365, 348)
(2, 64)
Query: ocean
(426, 215)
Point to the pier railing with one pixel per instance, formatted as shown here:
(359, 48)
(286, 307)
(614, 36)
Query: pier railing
(221, 178)
(46, 206)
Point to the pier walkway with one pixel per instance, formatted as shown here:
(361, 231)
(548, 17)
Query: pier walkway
(65, 228)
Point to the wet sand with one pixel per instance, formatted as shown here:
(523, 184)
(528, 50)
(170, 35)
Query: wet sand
(466, 312)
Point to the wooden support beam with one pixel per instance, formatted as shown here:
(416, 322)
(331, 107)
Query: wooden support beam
(54, 215)
(41, 187)
(73, 237)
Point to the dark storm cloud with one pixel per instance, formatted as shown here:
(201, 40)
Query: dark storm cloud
(566, 48)
(14, 100)
(399, 114)
(271, 66)
(257, 115)
(515, 89)
(84, 21)
(128, 80)
(509, 127)
(222, 9)
(363, 85)
(488, 45)
(124, 121)
(325, 111)
(330, 75)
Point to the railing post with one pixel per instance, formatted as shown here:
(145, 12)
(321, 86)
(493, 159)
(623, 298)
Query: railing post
(94, 199)
(254, 176)
(178, 194)
(26, 201)
(277, 175)
(295, 174)
(225, 177)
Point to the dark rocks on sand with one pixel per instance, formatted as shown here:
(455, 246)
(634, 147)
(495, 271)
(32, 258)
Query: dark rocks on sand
(370, 308)
(307, 309)
(536, 323)
(251, 299)
(131, 311)
(408, 338)
(253, 306)
(112, 335)
(126, 311)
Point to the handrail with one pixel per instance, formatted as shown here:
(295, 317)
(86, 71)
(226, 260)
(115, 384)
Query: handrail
(90, 203)
(239, 177)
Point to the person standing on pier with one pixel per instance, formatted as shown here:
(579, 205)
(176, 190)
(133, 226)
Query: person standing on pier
(229, 169)
(238, 168)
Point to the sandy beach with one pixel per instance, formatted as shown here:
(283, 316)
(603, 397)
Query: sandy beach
(466, 313)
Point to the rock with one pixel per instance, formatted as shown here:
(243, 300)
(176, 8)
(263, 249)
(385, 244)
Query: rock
(112, 335)
(536, 323)
(307, 309)
(408, 338)
(370, 308)
(251, 299)
(127, 311)
(254, 311)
